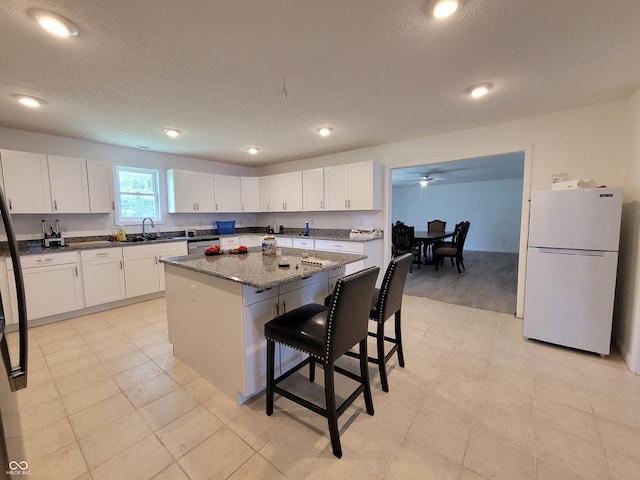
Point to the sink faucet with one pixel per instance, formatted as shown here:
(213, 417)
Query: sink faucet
(152, 226)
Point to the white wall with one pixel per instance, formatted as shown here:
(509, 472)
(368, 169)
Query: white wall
(492, 207)
(28, 226)
(626, 325)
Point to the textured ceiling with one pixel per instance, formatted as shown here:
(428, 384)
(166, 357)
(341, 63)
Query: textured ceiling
(377, 71)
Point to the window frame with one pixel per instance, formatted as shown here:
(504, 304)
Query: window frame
(120, 220)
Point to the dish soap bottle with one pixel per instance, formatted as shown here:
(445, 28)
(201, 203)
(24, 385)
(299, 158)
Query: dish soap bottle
(121, 236)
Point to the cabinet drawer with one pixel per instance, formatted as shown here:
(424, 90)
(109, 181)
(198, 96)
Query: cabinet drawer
(41, 260)
(172, 249)
(229, 242)
(136, 250)
(101, 254)
(303, 282)
(306, 243)
(251, 295)
(286, 242)
(340, 246)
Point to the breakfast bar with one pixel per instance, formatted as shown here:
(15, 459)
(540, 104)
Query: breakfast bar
(217, 307)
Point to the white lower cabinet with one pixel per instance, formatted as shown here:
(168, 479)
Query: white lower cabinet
(52, 283)
(143, 271)
(103, 274)
(372, 249)
(262, 306)
(174, 249)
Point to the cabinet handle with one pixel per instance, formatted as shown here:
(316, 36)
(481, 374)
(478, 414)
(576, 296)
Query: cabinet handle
(345, 204)
(321, 204)
(10, 205)
(349, 203)
(103, 254)
(216, 207)
(194, 206)
(44, 260)
(55, 205)
(243, 207)
(113, 205)
(276, 307)
(121, 266)
(76, 271)
(284, 307)
(198, 204)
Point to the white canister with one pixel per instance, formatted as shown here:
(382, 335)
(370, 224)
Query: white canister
(269, 245)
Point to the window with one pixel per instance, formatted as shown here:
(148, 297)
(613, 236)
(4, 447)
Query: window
(137, 194)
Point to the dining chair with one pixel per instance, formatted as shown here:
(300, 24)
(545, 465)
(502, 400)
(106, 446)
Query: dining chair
(403, 241)
(434, 226)
(456, 249)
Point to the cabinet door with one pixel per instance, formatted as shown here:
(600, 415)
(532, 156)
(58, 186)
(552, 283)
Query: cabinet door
(255, 346)
(264, 193)
(103, 281)
(313, 190)
(336, 185)
(276, 193)
(250, 187)
(174, 251)
(205, 197)
(100, 178)
(69, 185)
(361, 186)
(314, 293)
(293, 191)
(53, 289)
(141, 275)
(181, 191)
(26, 181)
(228, 193)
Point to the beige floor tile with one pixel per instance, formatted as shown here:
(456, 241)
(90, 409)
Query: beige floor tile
(167, 362)
(446, 402)
(36, 417)
(583, 457)
(476, 347)
(576, 397)
(559, 373)
(173, 472)
(70, 341)
(201, 389)
(183, 374)
(39, 377)
(217, 457)
(167, 408)
(497, 459)
(136, 375)
(570, 420)
(90, 338)
(254, 426)
(74, 365)
(47, 440)
(90, 395)
(70, 354)
(622, 438)
(188, 431)
(80, 379)
(60, 465)
(115, 348)
(507, 377)
(257, 467)
(141, 330)
(100, 414)
(546, 470)
(466, 364)
(619, 408)
(150, 339)
(125, 362)
(470, 475)
(150, 390)
(513, 361)
(158, 349)
(141, 461)
(623, 467)
(508, 426)
(34, 396)
(396, 409)
(414, 461)
(458, 384)
(509, 399)
(102, 444)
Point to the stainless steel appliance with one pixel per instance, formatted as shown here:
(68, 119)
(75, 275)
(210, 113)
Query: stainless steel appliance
(200, 245)
(52, 236)
(13, 378)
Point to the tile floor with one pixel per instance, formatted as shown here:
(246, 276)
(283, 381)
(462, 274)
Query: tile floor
(107, 400)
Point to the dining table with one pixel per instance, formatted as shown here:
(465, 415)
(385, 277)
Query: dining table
(427, 238)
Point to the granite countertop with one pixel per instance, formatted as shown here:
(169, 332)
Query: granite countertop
(258, 270)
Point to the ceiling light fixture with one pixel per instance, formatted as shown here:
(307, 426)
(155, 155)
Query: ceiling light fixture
(445, 8)
(53, 23)
(171, 132)
(480, 90)
(325, 131)
(253, 150)
(28, 101)
(424, 183)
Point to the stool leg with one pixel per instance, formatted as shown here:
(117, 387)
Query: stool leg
(364, 374)
(332, 414)
(312, 369)
(381, 363)
(271, 354)
(399, 339)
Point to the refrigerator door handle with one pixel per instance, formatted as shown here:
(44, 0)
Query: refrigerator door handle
(17, 376)
(566, 251)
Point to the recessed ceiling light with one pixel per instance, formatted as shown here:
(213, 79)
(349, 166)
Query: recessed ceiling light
(253, 150)
(481, 90)
(445, 8)
(53, 23)
(171, 132)
(29, 101)
(325, 131)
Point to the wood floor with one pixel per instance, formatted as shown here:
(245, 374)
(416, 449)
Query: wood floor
(489, 282)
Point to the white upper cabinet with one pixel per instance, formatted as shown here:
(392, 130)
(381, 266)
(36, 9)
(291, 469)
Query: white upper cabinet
(26, 181)
(228, 193)
(250, 187)
(313, 190)
(354, 186)
(100, 178)
(285, 192)
(263, 191)
(69, 185)
(189, 192)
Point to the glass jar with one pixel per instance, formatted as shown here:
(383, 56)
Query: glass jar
(269, 245)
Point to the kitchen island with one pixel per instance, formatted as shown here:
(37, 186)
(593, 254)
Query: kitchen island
(217, 307)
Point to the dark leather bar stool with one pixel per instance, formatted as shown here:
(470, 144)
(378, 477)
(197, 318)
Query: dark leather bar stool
(325, 334)
(387, 302)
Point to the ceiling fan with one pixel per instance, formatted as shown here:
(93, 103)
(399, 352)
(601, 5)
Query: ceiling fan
(423, 180)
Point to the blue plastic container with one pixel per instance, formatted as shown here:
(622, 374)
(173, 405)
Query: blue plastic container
(226, 227)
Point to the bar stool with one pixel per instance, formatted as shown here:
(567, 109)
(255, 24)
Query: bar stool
(325, 334)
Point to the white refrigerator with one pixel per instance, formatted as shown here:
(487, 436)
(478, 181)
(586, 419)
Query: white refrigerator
(572, 260)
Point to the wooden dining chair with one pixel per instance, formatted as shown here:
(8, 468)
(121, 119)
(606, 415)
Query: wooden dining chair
(403, 241)
(456, 249)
